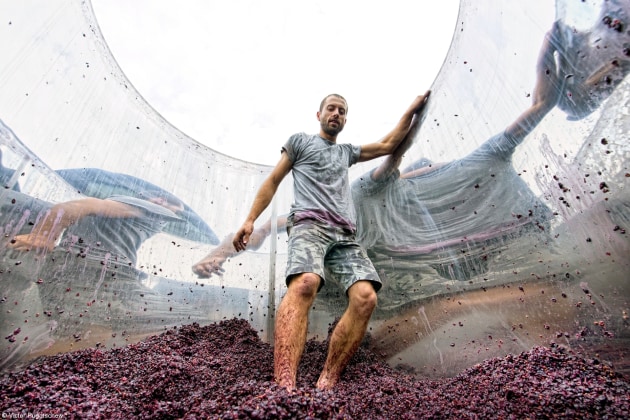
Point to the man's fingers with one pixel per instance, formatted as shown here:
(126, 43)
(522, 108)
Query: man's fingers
(425, 97)
(242, 237)
(237, 242)
(240, 241)
(421, 101)
(245, 239)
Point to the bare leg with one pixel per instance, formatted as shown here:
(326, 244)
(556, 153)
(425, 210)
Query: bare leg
(292, 326)
(348, 333)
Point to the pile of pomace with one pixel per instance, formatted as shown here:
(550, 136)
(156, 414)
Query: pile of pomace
(225, 371)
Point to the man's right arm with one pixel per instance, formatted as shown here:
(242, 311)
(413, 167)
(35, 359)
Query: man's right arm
(262, 200)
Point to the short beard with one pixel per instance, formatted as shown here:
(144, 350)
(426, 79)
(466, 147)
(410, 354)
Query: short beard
(331, 131)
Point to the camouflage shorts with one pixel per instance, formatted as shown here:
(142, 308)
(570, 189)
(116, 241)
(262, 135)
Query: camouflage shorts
(332, 253)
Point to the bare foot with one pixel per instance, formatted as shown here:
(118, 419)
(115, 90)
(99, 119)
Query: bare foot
(326, 383)
(285, 378)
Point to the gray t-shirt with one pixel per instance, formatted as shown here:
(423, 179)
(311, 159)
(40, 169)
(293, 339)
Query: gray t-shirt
(320, 180)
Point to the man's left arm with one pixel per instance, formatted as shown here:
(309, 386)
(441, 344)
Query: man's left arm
(390, 142)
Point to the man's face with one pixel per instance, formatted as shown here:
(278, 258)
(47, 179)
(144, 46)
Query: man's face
(332, 117)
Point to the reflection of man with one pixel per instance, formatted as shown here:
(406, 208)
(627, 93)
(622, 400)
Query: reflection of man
(593, 63)
(454, 216)
(451, 216)
(84, 253)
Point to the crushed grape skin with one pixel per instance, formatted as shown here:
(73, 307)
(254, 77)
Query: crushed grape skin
(225, 371)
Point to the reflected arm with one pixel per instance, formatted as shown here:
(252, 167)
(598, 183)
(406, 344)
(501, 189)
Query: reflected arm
(213, 262)
(48, 230)
(545, 97)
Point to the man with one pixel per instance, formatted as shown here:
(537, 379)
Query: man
(322, 242)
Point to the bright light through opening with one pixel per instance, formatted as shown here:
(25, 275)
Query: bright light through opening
(242, 76)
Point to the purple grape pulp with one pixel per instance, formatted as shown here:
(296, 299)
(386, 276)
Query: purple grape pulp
(225, 371)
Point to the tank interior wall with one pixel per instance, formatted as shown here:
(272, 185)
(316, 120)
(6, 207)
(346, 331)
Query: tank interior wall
(447, 302)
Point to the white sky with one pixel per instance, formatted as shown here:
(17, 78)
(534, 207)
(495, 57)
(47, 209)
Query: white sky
(241, 76)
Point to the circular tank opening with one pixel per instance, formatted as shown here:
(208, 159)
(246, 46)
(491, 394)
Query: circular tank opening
(241, 77)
